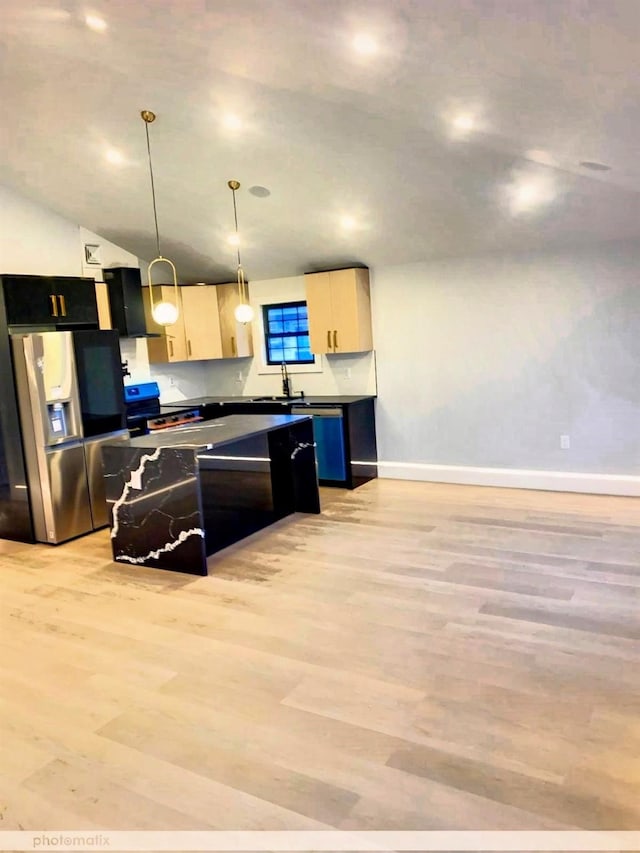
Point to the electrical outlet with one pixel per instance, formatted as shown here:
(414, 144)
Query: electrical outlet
(565, 442)
(172, 381)
(347, 373)
(240, 377)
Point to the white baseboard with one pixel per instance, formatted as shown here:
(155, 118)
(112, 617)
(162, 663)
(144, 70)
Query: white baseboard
(554, 481)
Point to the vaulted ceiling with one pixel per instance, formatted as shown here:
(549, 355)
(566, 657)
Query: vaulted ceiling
(384, 132)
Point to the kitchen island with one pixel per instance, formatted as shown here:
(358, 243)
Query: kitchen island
(179, 495)
(344, 429)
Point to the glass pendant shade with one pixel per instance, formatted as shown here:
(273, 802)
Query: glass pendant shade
(165, 313)
(243, 313)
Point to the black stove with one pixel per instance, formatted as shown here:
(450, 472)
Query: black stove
(144, 412)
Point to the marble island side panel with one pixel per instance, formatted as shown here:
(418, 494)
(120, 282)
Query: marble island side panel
(156, 507)
(181, 495)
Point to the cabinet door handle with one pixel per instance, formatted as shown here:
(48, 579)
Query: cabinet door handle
(233, 346)
(335, 339)
(189, 347)
(170, 342)
(63, 305)
(328, 338)
(54, 305)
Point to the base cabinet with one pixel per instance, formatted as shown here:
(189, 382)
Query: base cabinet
(344, 434)
(339, 305)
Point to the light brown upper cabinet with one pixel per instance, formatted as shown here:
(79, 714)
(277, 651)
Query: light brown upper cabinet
(201, 322)
(206, 327)
(172, 343)
(339, 306)
(237, 339)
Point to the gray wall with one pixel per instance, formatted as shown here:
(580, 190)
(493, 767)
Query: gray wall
(486, 361)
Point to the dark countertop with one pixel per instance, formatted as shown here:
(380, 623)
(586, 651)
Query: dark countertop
(213, 433)
(172, 409)
(309, 400)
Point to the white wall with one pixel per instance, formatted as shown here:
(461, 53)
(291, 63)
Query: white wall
(177, 381)
(483, 363)
(109, 254)
(335, 374)
(34, 240)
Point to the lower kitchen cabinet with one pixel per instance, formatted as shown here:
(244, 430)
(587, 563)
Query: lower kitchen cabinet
(346, 449)
(344, 433)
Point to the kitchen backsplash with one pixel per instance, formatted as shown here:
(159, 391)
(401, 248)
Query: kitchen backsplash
(339, 374)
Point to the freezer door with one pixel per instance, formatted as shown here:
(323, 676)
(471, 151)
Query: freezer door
(95, 475)
(66, 511)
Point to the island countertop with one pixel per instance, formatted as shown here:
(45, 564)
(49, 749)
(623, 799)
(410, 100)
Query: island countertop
(214, 433)
(295, 400)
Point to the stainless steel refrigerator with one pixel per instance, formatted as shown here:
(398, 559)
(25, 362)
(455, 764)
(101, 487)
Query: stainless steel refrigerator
(70, 400)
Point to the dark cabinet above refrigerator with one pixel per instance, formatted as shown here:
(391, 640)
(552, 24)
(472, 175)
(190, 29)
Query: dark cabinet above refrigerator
(124, 291)
(55, 302)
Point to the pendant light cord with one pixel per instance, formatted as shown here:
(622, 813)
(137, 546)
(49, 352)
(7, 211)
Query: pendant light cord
(235, 218)
(153, 191)
(241, 282)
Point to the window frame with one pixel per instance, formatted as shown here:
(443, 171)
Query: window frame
(266, 308)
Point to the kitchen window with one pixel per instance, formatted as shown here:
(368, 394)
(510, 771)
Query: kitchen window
(286, 333)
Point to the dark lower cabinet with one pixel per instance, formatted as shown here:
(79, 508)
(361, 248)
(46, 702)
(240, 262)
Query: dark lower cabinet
(344, 434)
(49, 301)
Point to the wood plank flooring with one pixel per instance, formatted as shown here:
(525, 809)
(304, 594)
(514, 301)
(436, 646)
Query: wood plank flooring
(419, 656)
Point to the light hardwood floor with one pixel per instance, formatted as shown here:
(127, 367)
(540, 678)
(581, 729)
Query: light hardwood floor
(419, 656)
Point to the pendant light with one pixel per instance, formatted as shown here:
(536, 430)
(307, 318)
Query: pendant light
(244, 311)
(164, 313)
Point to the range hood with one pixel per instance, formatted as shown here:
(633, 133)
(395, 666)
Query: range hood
(124, 297)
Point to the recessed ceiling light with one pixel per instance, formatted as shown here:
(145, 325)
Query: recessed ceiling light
(595, 167)
(463, 122)
(260, 192)
(365, 44)
(528, 192)
(114, 156)
(347, 223)
(95, 23)
(231, 121)
(234, 239)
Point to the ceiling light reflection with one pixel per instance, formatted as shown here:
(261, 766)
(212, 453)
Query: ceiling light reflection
(114, 156)
(365, 44)
(95, 23)
(231, 121)
(527, 193)
(463, 122)
(348, 223)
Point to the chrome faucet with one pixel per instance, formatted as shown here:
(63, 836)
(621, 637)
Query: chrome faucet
(286, 381)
